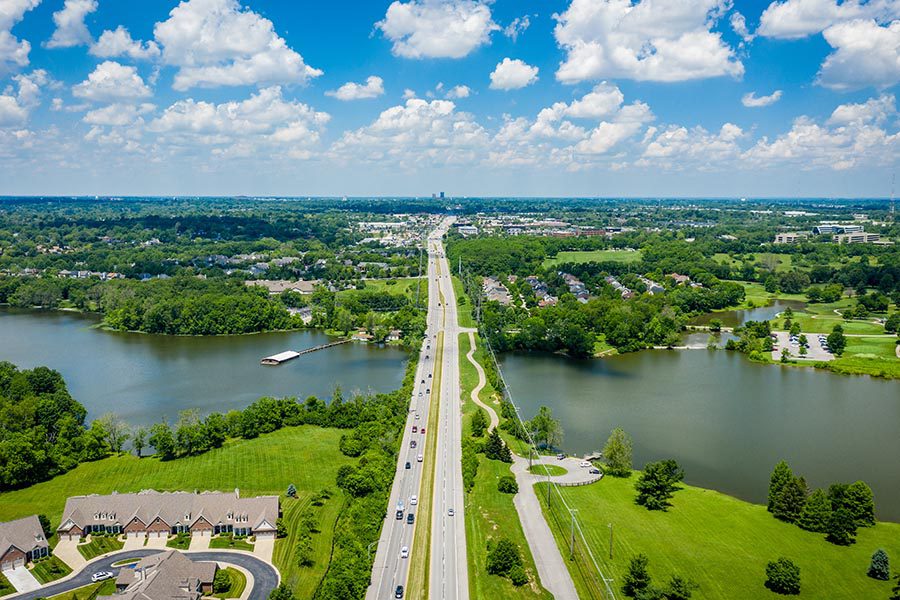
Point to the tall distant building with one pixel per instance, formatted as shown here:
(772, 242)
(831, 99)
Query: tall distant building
(442, 195)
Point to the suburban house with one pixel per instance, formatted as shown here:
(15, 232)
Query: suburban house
(158, 514)
(21, 541)
(165, 576)
(279, 286)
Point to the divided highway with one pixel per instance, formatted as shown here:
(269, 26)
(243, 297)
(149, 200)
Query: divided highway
(448, 575)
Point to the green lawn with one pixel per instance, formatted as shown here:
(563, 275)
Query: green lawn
(306, 456)
(89, 592)
(5, 586)
(305, 580)
(238, 583)
(758, 296)
(489, 513)
(720, 542)
(770, 260)
(405, 287)
(226, 542)
(463, 305)
(624, 256)
(50, 569)
(99, 545)
(182, 541)
(544, 470)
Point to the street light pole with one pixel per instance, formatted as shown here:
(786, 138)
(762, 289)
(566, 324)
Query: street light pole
(610, 541)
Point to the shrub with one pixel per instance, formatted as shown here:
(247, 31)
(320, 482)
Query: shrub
(507, 485)
(518, 576)
(502, 557)
(880, 567)
(221, 582)
(783, 576)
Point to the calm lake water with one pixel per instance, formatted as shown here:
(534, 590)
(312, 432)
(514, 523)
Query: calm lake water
(146, 377)
(726, 420)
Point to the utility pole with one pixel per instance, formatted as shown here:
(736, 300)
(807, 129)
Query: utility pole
(610, 540)
(548, 488)
(572, 511)
(419, 279)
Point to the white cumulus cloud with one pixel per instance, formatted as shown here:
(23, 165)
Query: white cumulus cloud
(512, 75)
(112, 81)
(372, 88)
(865, 54)
(751, 100)
(219, 43)
(800, 18)
(643, 40)
(13, 51)
(118, 42)
(437, 28)
(517, 27)
(70, 27)
(458, 92)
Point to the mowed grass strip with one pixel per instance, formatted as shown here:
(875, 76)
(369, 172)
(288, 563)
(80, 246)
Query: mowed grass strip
(720, 542)
(463, 305)
(579, 256)
(489, 513)
(50, 569)
(99, 545)
(237, 583)
(420, 551)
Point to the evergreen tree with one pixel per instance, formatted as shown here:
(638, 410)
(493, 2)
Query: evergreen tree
(679, 588)
(880, 567)
(479, 422)
(781, 476)
(841, 528)
(292, 490)
(637, 579)
(861, 503)
(502, 557)
(617, 453)
(895, 592)
(790, 501)
(495, 448)
(658, 483)
(783, 576)
(816, 512)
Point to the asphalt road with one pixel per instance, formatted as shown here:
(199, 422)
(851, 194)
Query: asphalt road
(448, 569)
(389, 569)
(265, 577)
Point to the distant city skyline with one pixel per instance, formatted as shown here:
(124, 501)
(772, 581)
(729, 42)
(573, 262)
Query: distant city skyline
(555, 98)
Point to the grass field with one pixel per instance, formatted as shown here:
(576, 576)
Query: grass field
(756, 295)
(237, 585)
(463, 305)
(304, 580)
(552, 470)
(489, 513)
(624, 256)
(99, 545)
(182, 541)
(770, 260)
(405, 287)
(225, 542)
(50, 569)
(89, 592)
(721, 543)
(306, 456)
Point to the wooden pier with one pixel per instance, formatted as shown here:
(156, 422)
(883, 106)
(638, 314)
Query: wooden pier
(283, 357)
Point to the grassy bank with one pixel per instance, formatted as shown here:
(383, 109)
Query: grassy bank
(623, 256)
(720, 542)
(463, 305)
(306, 456)
(237, 581)
(490, 514)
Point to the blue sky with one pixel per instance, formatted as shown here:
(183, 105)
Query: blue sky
(511, 97)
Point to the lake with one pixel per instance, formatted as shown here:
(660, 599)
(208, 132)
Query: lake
(144, 378)
(726, 420)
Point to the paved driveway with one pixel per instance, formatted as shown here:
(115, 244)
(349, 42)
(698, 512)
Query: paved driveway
(158, 543)
(21, 579)
(263, 548)
(200, 541)
(134, 543)
(265, 577)
(67, 551)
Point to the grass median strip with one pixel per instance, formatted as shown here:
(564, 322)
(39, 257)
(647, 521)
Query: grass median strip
(420, 557)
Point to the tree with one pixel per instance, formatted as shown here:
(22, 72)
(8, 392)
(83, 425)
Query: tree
(291, 490)
(518, 576)
(880, 567)
(836, 341)
(507, 485)
(479, 422)
(816, 512)
(495, 448)
(343, 320)
(679, 588)
(546, 430)
(139, 440)
(790, 500)
(658, 482)
(860, 502)
(282, 592)
(617, 453)
(221, 582)
(715, 325)
(502, 557)
(116, 431)
(795, 328)
(895, 591)
(637, 579)
(45, 525)
(280, 528)
(841, 528)
(162, 439)
(783, 576)
(781, 476)
(892, 323)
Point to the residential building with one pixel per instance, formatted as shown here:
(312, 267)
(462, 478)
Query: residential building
(496, 291)
(467, 230)
(860, 237)
(22, 541)
(278, 286)
(653, 288)
(791, 237)
(617, 285)
(165, 576)
(158, 514)
(679, 279)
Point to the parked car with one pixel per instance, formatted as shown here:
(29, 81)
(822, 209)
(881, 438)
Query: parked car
(423, 431)
(560, 456)
(594, 471)
(404, 552)
(586, 463)
(101, 576)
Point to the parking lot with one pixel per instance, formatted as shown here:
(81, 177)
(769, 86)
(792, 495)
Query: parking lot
(814, 352)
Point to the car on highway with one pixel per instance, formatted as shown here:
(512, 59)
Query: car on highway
(398, 593)
(423, 431)
(420, 458)
(101, 576)
(415, 429)
(412, 443)
(417, 414)
(408, 465)
(404, 552)
(451, 512)
(413, 500)
(410, 518)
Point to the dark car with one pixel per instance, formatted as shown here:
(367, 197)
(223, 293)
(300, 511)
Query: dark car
(410, 518)
(595, 471)
(408, 465)
(412, 443)
(398, 593)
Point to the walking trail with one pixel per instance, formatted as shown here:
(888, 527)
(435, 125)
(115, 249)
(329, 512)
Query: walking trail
(549, 562)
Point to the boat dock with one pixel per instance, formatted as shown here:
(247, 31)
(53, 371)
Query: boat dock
(283, 357)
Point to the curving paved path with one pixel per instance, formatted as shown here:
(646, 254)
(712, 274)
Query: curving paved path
(265, 577)
(482, 380)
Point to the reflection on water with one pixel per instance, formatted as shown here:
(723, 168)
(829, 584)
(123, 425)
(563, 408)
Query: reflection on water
(146, 377)
(733, 318)
(725, 419)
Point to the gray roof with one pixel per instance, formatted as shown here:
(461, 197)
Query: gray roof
(173, 508)
(25, 534)
(165, 576)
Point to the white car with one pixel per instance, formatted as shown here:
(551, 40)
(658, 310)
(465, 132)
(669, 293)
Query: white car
(404, 552)
(101, 576)
(451, 512)
(413, 500)
(586, 463)
(420, 458)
